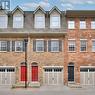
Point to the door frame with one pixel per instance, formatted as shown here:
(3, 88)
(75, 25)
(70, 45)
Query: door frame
(72, 64)
(52, 67)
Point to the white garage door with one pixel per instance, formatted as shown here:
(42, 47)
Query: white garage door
(7, 76)
(87, 76)
(53, 76)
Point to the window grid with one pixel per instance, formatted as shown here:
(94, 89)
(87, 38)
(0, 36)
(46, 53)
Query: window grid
(3, 45)
(18, 46)
(39, 22)
(55, 21)
(71, 24)
(82, 24)
(17, 22)
(39, 45)
(93, 45)
(54, 46)
(71, 45)
(83, 45)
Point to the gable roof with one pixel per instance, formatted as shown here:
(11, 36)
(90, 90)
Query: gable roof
(18, 8)
(39, 8)
(54, 8)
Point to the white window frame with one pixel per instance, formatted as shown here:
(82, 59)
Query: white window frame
(3, 46)
(70, 44)
(51, 21)
(71, 24)
(86, 45)
(42, 47)
(42, 23)
(53, 47)
(93, 24)
(82, 24)
(17, 46)
(93, 50)
(5, 25)
(21, 22)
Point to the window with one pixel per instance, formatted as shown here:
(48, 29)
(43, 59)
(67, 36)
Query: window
(3, 21)
(82, 24)
(55, 22)
(39, 45)
(54, 45)
(39, 22)
(71, 45)
(83, 45)
(3, 45)
(18, 22)
(18, 46)
(92, 24)
(93, 45)
(71, 24)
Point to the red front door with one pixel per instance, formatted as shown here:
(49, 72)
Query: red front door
(34, 73)
(23, 73)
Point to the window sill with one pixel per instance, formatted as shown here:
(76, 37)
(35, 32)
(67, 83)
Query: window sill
(71, 51)
(3, 51)
(40, 51)
(83, 51)
(18, 51)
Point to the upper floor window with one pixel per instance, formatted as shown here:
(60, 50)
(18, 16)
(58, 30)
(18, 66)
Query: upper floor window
(39, 22)
(71, 45)
(18, 46)
(3, 21)
(93, 45)
(39, 45)
(55, 22)
(93, 24)
(71, 24)
(83, 45)
(3, 45)
(17, 21)
(82, 24)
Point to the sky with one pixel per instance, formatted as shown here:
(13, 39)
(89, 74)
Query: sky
(30, 5)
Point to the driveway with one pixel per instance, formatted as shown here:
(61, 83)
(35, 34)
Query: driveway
(49, 90)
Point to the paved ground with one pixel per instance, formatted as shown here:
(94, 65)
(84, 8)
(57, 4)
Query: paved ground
(50, 90)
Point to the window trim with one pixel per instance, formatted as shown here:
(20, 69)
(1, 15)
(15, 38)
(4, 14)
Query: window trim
(86, 45)
(69, 27)
(6, 22)
(22, 21)
(84, 24)
(6, 46)
(58, 46)
(36, 45)
(16, 46)
(35, 21)
(75, 45)
(54, 27)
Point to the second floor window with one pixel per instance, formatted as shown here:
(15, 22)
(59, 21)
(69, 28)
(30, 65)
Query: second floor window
(82, 24)
(71, 24)
(83, 45)
(19, 46)
(3, 21)
(71, 45)
(39, 45)
(3, 45)
(92, 24)
(39, 22)
(17, 21)
(55, 22)
(93, 45)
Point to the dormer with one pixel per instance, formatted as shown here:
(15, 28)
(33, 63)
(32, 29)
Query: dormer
(39, 17)
(3, 18)
(18, 17)
(55, 17)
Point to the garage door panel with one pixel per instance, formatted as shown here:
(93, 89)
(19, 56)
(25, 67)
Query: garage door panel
(53, 76)
(87, 76)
